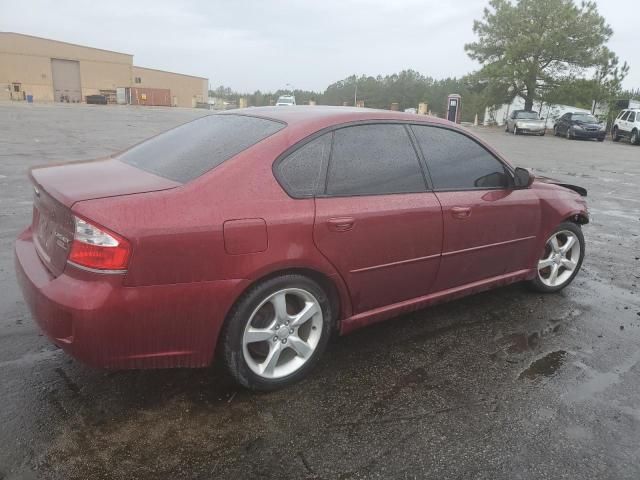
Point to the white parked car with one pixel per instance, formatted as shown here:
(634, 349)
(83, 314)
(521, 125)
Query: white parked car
(525, 121)
(286, 101)
(627, 124)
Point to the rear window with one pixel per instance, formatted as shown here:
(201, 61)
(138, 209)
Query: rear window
(188, 151)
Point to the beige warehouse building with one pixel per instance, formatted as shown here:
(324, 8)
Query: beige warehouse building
(46, 70)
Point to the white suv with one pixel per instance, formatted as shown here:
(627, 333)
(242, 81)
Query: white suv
(627, 124)
(286, 101)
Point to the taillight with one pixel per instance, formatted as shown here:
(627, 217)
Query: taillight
(98, 248)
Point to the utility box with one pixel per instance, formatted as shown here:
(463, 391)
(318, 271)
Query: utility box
(454, 108)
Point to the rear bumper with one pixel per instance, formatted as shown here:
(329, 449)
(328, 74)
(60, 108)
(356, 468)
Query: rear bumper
(102, 323)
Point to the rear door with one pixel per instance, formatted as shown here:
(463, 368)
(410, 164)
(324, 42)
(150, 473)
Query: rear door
(377, 221)
(489, 227)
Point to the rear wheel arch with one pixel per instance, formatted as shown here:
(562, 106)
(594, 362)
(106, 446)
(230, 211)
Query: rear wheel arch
(326, 283)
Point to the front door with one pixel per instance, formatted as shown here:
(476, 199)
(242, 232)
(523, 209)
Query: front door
(489, 227)
(376, 222)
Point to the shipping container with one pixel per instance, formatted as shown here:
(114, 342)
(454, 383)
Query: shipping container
(159, 97)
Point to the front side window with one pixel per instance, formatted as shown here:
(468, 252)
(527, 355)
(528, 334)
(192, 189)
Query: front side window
(632, 117)
(302, 172)
(456, 162)
(188, 151)
(625, 116)
(373, 159)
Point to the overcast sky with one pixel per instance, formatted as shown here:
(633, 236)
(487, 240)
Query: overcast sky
(267, 44)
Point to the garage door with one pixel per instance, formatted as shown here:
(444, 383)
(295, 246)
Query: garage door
(66, 80)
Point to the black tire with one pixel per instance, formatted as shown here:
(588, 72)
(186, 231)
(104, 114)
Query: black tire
(601, 139)
(536, 284)
(569, 135)
(614, 135)
(635, 137)
(555, 131)
(230, 343)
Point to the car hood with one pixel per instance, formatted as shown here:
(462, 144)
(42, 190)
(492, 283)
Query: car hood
(76, 181)
(542, 179)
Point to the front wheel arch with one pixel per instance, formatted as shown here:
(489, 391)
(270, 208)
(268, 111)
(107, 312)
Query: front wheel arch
(577, 218)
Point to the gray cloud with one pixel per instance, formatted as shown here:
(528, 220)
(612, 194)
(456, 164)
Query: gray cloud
(251, 45)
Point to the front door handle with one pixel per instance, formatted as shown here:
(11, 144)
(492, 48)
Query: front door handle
(342, 224)
(461, 212)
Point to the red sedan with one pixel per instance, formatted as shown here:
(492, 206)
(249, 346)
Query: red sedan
(254, 234)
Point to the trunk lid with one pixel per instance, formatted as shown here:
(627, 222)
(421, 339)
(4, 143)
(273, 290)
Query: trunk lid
(73, 182)
(53, 228)
(58, 187)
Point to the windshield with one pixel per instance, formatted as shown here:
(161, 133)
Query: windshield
(585, 117)
(527, 115)
(188, 151)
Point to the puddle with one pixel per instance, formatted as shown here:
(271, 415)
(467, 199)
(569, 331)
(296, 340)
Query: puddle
(545, 366)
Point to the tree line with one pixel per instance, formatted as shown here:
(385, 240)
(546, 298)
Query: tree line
(543, 51)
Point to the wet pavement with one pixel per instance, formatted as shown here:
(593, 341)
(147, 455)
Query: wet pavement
(502, 385)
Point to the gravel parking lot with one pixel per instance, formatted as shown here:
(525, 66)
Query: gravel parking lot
(502, 385)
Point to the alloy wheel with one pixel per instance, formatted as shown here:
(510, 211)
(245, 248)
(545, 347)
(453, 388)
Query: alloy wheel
(560, 259)
(282, 333)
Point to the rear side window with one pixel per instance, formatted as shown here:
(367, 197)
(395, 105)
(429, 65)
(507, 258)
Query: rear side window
(302, 172)
(456, 162)
(188, 151)
(373, 160)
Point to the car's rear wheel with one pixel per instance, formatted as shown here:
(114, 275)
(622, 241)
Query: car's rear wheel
(615, 135)
(277, 332)
(635, 138)
(561, 259)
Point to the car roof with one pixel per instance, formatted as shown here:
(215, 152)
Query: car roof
(318, 117)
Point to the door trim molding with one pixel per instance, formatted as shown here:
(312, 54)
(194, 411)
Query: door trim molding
(393, 264)
(490, 245)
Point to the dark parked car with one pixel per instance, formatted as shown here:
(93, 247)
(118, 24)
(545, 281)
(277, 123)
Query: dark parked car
(96, 99)
(580, 125)
(254, 234)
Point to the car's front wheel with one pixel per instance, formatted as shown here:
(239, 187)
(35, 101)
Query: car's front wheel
(561, 259)
(277, 332)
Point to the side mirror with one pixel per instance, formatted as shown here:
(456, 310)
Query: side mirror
(522, 177)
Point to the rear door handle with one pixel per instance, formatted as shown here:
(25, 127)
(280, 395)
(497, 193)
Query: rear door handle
(461, 212)
(342, 224)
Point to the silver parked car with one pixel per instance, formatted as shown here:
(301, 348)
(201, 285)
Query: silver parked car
(525, 121)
